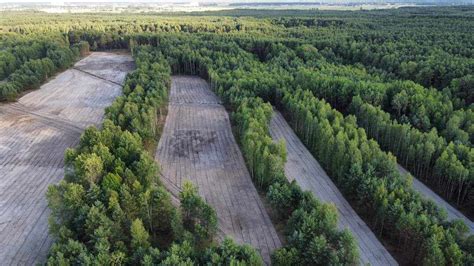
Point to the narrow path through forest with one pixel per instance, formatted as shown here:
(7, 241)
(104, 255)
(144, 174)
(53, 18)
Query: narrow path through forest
(197, 144)
(302, 167)
(452, 212)
(35, 131)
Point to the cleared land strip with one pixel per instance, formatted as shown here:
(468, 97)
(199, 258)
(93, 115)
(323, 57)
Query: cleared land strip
(302, 166)
(34, 133)
(452, 212)
(197, 144)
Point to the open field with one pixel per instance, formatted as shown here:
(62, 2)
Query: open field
(452, 212)
(302, 166)
(35, 131)
(197, 144)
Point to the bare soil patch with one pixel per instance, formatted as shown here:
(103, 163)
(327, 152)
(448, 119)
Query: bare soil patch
(197, 144)
(34, 133)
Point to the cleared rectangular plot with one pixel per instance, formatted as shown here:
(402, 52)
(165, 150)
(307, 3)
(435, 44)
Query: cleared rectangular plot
(35, 131)
(302, 167)
(197, 144)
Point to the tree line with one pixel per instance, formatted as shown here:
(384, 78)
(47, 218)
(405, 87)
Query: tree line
(401, 44)
(25, 65)
(421, 149)
(417, 150)
(111, 207)
(407, 46)
(322, 243)
(367, 175)
(370, 178)
(419, 44)
(406, 101)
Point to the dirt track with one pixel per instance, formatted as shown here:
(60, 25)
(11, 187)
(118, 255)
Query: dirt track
(197, 144)
(452, 212)
(35, 131)
(302, 166)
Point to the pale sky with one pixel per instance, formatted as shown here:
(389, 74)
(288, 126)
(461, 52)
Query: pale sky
(240, 1)
(175, 1)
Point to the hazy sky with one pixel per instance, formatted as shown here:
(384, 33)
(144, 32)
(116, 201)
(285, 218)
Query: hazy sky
(226, 1)
(171, 1)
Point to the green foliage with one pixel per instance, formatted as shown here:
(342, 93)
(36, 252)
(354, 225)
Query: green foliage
(104, 192)
(407, 85)
(446, 166)
(27, 64)
(286, 197)
(84, 48)
(312, 230)
(366, 174)
(198, 217)
(370, 177)
(265, 159)
(229, 253)
(111, 208)
(286, 257)
(145, 93)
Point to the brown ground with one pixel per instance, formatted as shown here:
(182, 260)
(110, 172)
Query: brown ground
(34, 133)
(197, 144)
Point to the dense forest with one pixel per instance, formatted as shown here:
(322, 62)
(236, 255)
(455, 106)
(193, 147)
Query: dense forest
(363, 90)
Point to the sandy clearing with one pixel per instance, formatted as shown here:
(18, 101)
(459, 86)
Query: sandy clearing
(35, 131)
(302, 166)
(452, 212)
(197, 144)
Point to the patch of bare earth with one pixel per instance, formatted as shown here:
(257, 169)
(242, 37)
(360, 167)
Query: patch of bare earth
(34, 133)
(197, 144)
